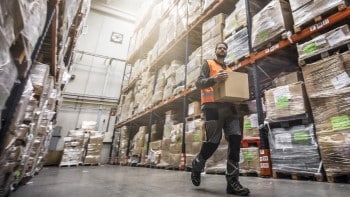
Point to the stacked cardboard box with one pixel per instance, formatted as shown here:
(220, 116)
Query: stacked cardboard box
(138, 142)
(285, 101)
(273, 20)
(251, 127)
(327, 82)
(249, 160)
(171, 147)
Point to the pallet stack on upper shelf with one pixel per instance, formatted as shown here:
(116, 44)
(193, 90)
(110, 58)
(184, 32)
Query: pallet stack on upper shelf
(30, 86)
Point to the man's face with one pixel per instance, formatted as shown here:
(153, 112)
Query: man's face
(221, 51)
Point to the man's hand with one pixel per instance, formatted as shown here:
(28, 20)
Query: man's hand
(221, 76)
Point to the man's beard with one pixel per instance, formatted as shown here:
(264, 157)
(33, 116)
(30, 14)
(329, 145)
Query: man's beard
(220, 55)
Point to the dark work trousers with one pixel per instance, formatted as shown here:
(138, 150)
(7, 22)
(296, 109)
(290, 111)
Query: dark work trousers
(221, 117)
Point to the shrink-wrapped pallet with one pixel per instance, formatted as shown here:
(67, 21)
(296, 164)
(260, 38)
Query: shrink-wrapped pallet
(238, 46)
(294, 149)
(273, 20)
(327, 76)
(306, 10)
(331, 39)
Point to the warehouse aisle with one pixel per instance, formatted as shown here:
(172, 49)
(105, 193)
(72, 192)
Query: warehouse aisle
(123, 181)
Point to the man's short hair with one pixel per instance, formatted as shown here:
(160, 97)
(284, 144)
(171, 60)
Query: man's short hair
(224, 43)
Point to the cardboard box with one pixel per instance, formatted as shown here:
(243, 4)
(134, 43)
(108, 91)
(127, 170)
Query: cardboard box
(194, 108)
(285, 101)
(251, 126)
(249, 160)
(289, 78)
(234, 89)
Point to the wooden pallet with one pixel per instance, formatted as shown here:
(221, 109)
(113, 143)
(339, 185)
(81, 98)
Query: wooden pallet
(217, 171)
(319, 18)
(302, 119)
(271, 42)
(338, 178)
(91, 164)
(277, 174)
(194, 117)
(172, 168)
(250, 173)
(340, 48)
(70, 165)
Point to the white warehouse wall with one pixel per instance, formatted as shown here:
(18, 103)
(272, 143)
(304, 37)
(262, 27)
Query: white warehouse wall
(98, 77)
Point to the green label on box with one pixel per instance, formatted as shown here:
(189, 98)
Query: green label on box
(282, 102)
(340, 122)
(310, 48)
(263, 36)
(196, 137)
(248, 156)
(301, 137)
(247, 125)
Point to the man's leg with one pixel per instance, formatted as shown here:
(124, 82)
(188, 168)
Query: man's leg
(213, 129)
(232, 170)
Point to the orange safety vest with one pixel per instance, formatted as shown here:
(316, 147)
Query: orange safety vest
(207, 94)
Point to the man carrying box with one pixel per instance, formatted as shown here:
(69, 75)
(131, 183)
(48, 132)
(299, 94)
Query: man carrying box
(219, 116)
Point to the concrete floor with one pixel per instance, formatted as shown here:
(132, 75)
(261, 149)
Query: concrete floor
(126, 181)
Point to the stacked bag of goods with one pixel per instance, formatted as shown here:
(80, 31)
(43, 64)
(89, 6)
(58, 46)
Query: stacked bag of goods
(327, 84)
(94, 148)
(171, 144)
(160, 84)
(171, 79)
(74, 147)
(194, 8)
(179, 77)
(138, 143)
(306, 10)
(167, 30)
(194, 66)
(154, 152)
(212, 33)
(272, 21)
(123, 147)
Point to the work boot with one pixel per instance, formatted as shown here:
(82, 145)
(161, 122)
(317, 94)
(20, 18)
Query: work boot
(195, 175)
(198, 163)
(235, 188)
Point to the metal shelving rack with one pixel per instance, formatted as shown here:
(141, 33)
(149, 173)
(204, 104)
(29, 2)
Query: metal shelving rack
(251, 62)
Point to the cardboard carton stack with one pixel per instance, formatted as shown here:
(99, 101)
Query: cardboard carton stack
(171, 147)
(327, 84)
(312, 8)
(273, 20)
(249, 160)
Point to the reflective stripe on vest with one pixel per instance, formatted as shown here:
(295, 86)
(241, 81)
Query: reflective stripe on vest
(207, 94)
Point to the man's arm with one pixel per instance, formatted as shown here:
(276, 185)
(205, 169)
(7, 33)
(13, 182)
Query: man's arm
(204, 79)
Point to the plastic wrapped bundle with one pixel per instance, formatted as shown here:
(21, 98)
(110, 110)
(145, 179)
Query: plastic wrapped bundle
(39, 74)
(33, 14)
(327, 76)
(159, 89)
(251, 127)
(337, 36)
(307, 10)
(94, 148)
(238, 46)
(285, 101)
(237, 19)
(294, 149)
(273, 20)
(335, 151)
(8, 75)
